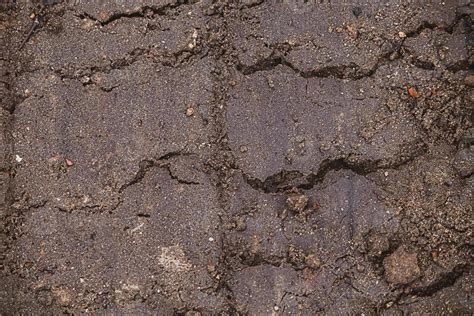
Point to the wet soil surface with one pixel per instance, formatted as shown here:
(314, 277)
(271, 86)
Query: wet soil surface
(254, 157)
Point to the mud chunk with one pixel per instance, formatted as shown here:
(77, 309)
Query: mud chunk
(464, 162)
(240, 224)
(470, 99)
(297, 202)
(62, 295)
(401, 267)
(352, 32)
(312, 261)
(295, 255)
(44, 298)
(394, 55)
(378, 244)
(469, 80)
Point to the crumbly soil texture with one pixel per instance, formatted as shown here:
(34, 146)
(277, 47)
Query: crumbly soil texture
(253, 157)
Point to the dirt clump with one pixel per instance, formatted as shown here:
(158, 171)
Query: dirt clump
(401, 267)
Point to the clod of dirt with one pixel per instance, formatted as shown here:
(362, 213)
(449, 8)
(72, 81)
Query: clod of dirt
(353, 33)
(469, 80)
(464, 162)
(297, 202)
(394, 55)
(312, 261)
(45, 298)
(470, 99)
(62, 295)
(240, 224)
(295, 255)
(378, 244)
(212, 270)
(401, 267)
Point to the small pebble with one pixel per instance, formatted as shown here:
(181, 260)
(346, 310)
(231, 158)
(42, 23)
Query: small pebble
(413, 93)
(402, 34)
(69, 162)
(190, 111)
(85, 79)
(18, 158)
(394, 55)
(211, 239)
(297, 202)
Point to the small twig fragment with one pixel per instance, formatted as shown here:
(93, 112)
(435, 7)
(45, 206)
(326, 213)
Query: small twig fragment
(33, 27)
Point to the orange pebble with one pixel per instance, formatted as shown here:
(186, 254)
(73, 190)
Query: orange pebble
(413, 93)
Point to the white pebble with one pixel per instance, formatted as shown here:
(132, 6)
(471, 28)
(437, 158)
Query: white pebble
(18, 158)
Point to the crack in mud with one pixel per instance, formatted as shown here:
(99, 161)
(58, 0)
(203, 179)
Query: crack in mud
(279, 182)
(444, 281)
(145, 11)
(350, 71)
(161, 162)
(167, 59)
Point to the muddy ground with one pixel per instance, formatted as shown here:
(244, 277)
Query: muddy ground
(221, 157)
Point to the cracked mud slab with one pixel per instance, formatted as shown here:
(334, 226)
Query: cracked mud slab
(250, 157)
